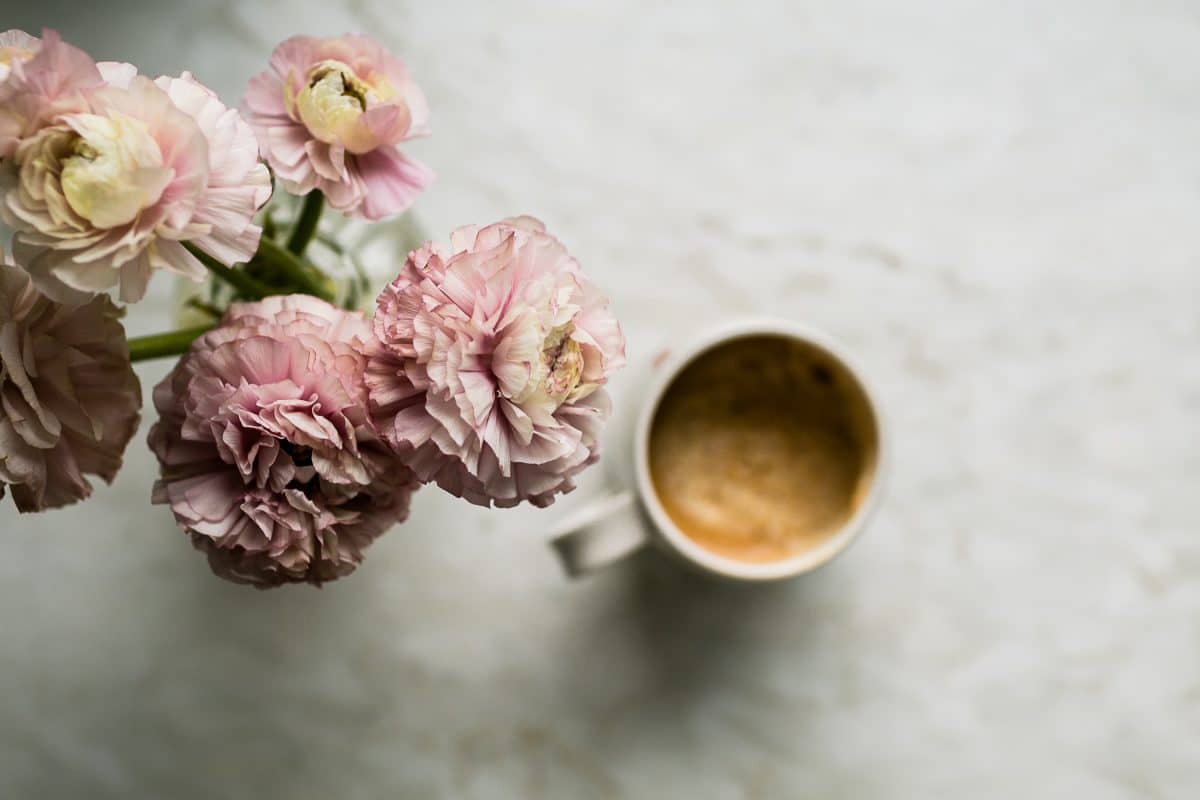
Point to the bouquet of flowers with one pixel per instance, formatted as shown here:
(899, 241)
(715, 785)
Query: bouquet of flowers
(292, 431)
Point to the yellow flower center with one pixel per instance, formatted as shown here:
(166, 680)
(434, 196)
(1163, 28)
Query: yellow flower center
(115, 171)
(562, 360)
(333, 100)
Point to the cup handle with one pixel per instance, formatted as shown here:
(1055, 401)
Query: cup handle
(600, 533)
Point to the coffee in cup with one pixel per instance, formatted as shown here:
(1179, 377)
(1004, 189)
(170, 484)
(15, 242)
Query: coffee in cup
(757, 452)
(762, 447)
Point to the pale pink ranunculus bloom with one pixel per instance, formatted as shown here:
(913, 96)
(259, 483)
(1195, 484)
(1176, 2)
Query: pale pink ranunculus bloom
(269, 459)
(16, 47)
(492, 360)
(69, 399)
(40, 83)
(239, 183)
(109, 184)
(329, 115)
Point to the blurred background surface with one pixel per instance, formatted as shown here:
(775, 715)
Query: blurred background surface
(994, 205)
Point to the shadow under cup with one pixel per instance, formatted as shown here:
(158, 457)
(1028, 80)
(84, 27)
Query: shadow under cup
(764, 448)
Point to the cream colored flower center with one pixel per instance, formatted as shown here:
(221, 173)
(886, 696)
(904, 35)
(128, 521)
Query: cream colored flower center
(334, 99)
(115, 171)
(562, 360)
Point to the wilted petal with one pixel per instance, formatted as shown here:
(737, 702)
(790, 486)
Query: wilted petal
(69, 399)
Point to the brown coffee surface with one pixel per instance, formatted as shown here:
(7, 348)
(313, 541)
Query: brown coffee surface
(762, 448)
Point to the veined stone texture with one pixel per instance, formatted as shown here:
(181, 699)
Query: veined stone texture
(993, 205)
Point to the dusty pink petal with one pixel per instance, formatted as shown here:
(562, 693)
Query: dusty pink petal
(391, 180)
(330, 114)
(491, 361)
(269, 459)
(69, 399)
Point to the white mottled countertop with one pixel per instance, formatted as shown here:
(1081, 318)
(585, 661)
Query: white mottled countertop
(994, 205)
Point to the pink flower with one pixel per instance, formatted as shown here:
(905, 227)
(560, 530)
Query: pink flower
(329, 116)
(16, 47)
(493, 355)
(269, 458)
(69, 400)
(108, 181)
(238, 182)
(42, 80)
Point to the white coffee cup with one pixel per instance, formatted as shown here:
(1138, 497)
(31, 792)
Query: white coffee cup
(632, 517)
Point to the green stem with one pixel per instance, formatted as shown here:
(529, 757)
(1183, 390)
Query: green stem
(303, 275)
(332, 244)
(238, 279)
(158, 345)
(204, 308)
(306, 223)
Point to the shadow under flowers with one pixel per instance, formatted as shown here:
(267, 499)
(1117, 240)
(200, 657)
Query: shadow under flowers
(659, 651)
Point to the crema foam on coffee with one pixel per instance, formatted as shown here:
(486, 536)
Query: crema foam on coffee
(762, 448)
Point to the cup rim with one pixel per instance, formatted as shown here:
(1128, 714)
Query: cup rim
(696, 553)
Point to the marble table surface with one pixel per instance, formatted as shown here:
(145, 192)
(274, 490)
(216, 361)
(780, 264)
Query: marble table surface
(994, 205)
